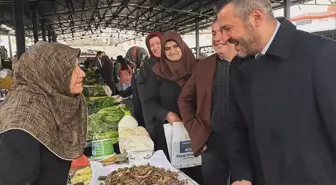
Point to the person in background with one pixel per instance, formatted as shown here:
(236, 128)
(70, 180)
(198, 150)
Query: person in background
(87, 62)
(115, 74)
(96, 63)
(163, 88)
(153, 43)
(43, 120)
(124, 73)
(137, 55)
(107, 73)
(282, 119)
(202, 56)
(207, 89)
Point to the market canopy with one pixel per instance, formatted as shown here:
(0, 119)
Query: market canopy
(77, 18)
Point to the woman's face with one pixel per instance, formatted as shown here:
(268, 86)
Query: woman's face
(76, 83)
(173, 51)
(155, 46)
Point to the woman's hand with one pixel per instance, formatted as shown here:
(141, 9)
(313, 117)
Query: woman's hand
(172, 117)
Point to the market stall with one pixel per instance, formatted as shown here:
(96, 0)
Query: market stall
(119, 151)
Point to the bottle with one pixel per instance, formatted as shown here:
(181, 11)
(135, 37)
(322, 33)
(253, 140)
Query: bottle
(127, 122)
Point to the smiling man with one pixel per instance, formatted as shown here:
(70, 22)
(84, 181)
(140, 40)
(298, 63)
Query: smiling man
(282, 120)
(203, 106)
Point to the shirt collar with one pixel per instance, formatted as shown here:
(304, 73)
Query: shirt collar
(220, 57)
(263, 52)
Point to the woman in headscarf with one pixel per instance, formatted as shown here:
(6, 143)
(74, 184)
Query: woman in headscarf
(163, 88)
(137, 56)
(124, 73)
(43, 120)
(153, 43)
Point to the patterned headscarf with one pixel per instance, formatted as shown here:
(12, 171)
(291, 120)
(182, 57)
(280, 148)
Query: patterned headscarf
(136, 55)
(40, 102)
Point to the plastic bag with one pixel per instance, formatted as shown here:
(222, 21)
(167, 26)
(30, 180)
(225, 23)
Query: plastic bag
(179, 146)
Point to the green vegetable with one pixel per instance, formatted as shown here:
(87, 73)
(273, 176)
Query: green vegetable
(95, 105)
(94, 91)
(104, 123)
(92, 77)
(110, 119)
(107, 135)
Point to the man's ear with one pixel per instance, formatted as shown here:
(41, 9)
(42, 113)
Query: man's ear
(257, 16)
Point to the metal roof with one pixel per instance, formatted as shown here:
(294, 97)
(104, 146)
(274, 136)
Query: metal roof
(78, 18)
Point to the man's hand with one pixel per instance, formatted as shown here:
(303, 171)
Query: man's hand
(172, 117)
(241, 183)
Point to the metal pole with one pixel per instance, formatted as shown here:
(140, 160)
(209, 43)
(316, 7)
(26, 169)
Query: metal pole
(43, 31)
(10, 46)
(35, 23)
(53, 37)
(19, 27)
(49, 36)
(287, 5)
(197, 39)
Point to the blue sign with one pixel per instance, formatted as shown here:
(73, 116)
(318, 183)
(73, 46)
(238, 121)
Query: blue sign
(185, 147)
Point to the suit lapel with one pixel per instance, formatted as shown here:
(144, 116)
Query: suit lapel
(208, 72)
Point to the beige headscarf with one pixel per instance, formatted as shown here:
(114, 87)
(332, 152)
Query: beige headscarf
(40, 101)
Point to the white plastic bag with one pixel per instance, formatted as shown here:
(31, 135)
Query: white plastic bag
(168, 130)
(179, 146)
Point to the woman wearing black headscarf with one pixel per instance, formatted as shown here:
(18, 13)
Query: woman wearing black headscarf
(163, 88)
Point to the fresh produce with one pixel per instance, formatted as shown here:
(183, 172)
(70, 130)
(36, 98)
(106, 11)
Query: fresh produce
(94, 91)
(83, 175)
(92, 77)
(107, 135)
(95, 105)
(143, 175)
(5, 83)
(104, 123)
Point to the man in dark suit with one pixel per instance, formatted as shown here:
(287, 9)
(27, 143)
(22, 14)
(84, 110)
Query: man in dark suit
(97, 63)
(203, 105)
(282, 119)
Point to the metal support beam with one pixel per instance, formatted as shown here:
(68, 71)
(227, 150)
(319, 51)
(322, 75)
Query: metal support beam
(53, 37)
(19, 27)
(43, 29)
(10, 46)
(49, 36)
(287, 5)
(197, 39)
(35, 23)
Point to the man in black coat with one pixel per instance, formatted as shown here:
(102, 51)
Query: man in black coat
(282, 119)
(107, 73)
(97, 63)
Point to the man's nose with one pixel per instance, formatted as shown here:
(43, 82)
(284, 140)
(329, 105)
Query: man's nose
(225, 36)
(218, 37)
